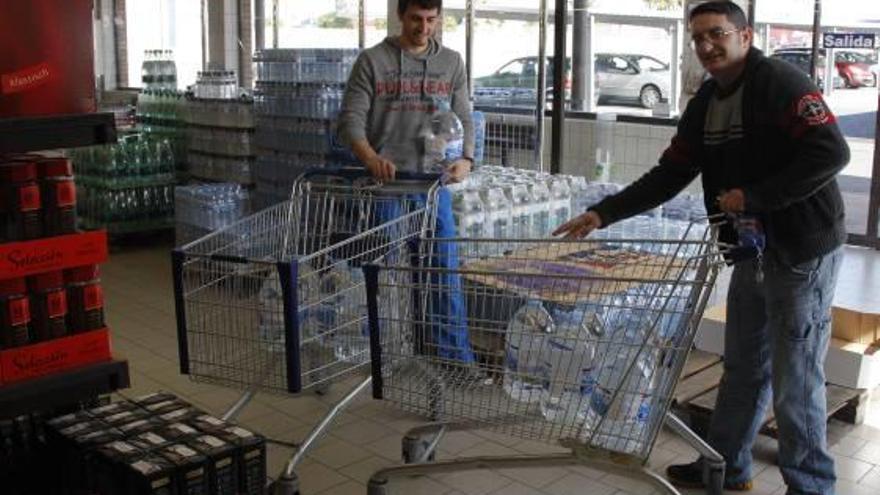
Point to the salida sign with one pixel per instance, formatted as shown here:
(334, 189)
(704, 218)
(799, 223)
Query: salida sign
(849, 40)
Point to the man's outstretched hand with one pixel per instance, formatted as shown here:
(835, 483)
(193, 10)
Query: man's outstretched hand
(579, 226)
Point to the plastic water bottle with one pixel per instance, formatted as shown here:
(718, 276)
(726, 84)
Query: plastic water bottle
(540, 209)
(521, 216)
(569, 357)
(443, 137)
(497, 211)
(560, 202)
(470, 213)
(524, 361)
(479, 136)
(577, 184)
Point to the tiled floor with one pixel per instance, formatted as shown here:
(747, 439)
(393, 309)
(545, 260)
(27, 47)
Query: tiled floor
(367, 436)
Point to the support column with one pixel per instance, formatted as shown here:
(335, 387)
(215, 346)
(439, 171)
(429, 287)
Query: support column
(677, 31)
(580, 56)
(541, 90)
(590, 68)
(120, 37)
(393, 22)
(214, 35)
(245, 45)
(560, 28)
(259, 24)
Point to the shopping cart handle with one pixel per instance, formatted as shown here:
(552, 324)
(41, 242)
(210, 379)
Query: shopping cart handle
(360, 173)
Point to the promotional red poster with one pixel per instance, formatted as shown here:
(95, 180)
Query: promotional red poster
(46, 67)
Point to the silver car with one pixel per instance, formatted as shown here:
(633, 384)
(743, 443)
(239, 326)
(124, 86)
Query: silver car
(626, 76)
(619, 76)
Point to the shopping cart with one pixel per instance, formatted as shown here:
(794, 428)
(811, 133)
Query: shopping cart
(275, 302)
(592, 337)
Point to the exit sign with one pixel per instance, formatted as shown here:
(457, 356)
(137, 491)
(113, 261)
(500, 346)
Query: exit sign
(849, 40)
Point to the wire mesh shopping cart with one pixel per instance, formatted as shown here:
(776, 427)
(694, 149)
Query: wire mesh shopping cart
(275, 302)
(586, 341)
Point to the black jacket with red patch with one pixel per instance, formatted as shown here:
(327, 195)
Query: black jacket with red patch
(794, 150)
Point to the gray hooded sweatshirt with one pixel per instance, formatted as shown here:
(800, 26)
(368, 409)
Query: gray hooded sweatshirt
(390, 92)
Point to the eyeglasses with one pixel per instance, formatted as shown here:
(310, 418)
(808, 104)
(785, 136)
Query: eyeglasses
(713, 35)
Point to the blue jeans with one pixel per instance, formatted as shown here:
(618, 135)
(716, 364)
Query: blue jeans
(448, 314)
(776, 338)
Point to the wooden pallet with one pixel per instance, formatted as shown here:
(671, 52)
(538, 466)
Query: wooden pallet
(698, 388)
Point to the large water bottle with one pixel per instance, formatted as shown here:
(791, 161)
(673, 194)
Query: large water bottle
(524, 361)
(271, 308)
(351, 337)
(540, 209)
(560, 201)
(497, 211)
(625, 404)
(443, 138)
(569, 365)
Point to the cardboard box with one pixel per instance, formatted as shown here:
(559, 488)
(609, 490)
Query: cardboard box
(848, 364)
(20, 259)
(855, 326)
(32, 361)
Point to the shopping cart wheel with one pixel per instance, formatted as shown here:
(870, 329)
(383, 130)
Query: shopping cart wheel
(285, 485)
(377, 487)
(415, 448)
(713, 473)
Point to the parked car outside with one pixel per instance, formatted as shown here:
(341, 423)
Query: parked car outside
(619, 76)
(800, 58)
(854, 69)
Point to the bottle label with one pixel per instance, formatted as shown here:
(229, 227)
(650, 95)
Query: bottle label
(65, 193)
(19, 312)
(93, 297)
(56, 304)
(29, 198)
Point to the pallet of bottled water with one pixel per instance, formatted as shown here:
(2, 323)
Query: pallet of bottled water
(308, 65)
(591, 335)
(275, 301)
(204, 208)
(510, 203)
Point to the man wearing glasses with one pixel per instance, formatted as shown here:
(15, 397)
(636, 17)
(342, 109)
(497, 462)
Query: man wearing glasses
(768, 148)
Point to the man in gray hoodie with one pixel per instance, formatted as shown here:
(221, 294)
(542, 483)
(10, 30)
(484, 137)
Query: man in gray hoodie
(392, 90)
(395, 85)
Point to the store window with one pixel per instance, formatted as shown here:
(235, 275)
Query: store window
(317, 24)
(849, 84)
(173, 25)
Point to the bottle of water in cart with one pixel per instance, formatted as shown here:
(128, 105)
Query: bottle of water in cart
(524, 359)
(569, 366)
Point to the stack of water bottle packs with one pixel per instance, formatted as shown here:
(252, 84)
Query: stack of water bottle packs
(204, 208)
(511, 203)
(126, 187)
(155, 444)
(297, 96)
(161, 115)
(220, 126)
